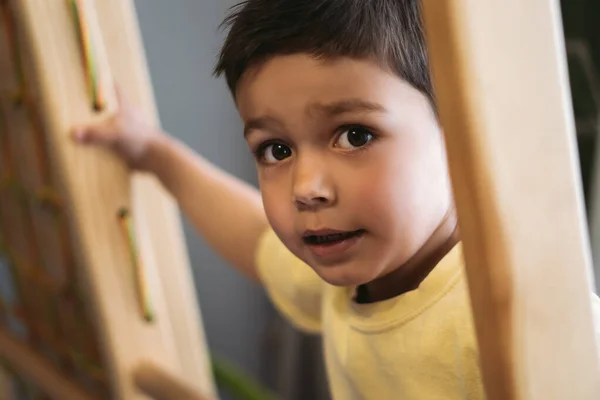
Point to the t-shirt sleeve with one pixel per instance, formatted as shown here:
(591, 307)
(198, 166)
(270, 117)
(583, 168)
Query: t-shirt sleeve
(295, 289)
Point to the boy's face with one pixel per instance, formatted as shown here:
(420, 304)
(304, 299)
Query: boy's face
(350, 160)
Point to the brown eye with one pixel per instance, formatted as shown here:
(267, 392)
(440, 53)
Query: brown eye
(276, 152)
(354, 137)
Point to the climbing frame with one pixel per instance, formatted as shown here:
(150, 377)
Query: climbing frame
(42, 303)
(94, 277)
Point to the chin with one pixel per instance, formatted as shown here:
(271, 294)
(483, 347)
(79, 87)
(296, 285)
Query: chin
(344, 275)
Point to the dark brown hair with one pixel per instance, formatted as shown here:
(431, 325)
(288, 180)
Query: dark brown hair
(387, 31)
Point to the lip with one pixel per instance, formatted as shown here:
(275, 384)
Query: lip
(322, 232)
(329, 251)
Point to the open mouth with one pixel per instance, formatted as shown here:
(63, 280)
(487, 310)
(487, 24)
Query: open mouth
(330, 238)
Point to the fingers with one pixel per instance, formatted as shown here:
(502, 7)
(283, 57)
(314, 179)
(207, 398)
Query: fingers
(103, 133)
(110, 130)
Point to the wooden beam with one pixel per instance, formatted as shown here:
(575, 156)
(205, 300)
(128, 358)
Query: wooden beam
(161, 385)
(157, 214)
(500, 74)
(40, 371)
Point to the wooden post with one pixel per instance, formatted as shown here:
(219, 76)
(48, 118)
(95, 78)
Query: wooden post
(500, 75)
(160, 385)
(157, 213)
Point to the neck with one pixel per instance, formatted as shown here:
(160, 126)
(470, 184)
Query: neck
(409, 276)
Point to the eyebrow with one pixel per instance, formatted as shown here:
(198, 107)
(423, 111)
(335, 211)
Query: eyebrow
(261, 123)
(346, 106)
(330, 109)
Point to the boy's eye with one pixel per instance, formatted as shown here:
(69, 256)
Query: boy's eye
(275, 152)
(354, 137)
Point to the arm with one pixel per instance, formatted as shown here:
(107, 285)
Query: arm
(225, 210)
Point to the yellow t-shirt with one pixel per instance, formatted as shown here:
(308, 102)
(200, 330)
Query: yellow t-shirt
(417, 346)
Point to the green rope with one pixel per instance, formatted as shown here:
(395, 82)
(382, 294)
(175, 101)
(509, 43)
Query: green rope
(235, 382)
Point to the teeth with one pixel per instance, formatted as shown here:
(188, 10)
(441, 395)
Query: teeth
(336, 237)
(330, 238)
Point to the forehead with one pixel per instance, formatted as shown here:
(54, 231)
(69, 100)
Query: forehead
(299, 84)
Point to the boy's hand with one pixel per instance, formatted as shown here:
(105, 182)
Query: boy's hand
(128, 132)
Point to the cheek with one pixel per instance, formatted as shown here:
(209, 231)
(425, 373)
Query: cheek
(402, 193)
(380, 195)
(277, 205)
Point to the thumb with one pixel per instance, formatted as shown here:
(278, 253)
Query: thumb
(102, 133)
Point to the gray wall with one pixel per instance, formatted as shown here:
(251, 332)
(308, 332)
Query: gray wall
(181, 39)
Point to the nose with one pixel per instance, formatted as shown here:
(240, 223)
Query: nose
(312, 186)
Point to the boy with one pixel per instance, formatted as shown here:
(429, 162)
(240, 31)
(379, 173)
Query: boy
(354, 233)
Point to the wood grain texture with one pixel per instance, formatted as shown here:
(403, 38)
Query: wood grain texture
(500, 75)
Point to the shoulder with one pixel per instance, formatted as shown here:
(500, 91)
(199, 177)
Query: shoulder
(293, 287)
